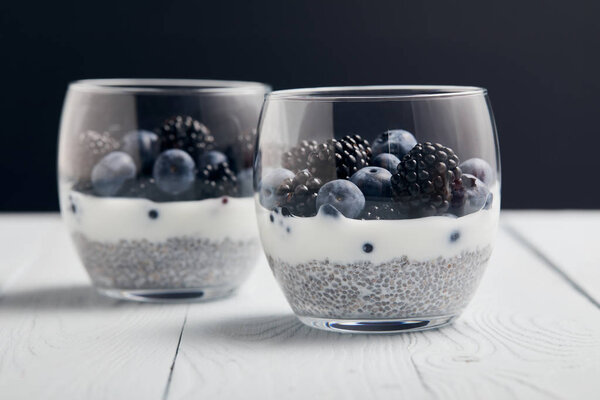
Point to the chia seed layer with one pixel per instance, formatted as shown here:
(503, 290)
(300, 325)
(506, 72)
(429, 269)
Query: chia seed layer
(400, 288)
(177, 263)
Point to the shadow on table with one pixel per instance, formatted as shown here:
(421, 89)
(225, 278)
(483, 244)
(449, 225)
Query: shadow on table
(72, 297)
(282, 329)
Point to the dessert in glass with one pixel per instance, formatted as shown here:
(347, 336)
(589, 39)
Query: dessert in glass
(155, 182)
(377, 206)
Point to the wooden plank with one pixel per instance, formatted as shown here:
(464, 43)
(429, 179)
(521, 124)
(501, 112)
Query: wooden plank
(569, 240)
(59, 339)
(527, 334)
(21, 237)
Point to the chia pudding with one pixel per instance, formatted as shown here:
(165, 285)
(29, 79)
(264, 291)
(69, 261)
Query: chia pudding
(137, 244)
(337, 267)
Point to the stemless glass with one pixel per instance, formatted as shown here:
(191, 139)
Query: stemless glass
(155, 182)
(377, 206)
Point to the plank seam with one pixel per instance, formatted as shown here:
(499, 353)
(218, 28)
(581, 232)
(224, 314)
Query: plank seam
(172, 368)
(518, 236)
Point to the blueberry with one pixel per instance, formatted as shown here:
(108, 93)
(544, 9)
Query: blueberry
(268, 186)
(396, 141)
(344, 195)
(329, 210)
(454, 236)
(367, 247)
(174, 171)
(111, 172)
(212, 158)
(478, 168)
(153, 214)
(387, 161)
(374, 182)
(477, 194)
(143, 147)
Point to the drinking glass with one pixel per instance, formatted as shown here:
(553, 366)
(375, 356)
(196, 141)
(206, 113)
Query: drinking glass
(155, 182)
(378, 206)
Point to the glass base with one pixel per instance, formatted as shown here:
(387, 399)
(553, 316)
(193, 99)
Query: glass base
(378, 325)
(192, 295)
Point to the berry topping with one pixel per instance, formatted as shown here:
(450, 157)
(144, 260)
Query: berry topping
(367, 247)
(215, 178)
(153, 214)
(470, 195)
(396, 141)
(111, 172)
(374, 182)
(299, 194)
(174, 171)
(339, 158)
(143, 147)
(478, 168)
(344, 195)
(423, 184)
(329, 210)
(387, 161)
(297, 158)
(267, 187)
(187, 134)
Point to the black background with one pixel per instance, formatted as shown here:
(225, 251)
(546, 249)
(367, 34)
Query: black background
(540, 61)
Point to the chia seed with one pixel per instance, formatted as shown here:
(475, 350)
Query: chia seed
(176, 263)
(400, 288)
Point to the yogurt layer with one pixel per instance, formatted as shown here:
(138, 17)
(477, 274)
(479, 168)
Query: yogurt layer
(296, 240)
(110, 219)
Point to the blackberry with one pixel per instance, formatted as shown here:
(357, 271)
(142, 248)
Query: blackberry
(425, 179)
(187, 134)
(297, 158)
(216, 181)
(380, 210)
(299, 194)
(339, 159)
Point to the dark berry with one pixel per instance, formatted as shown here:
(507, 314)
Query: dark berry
(367, 247)
(396, 141)
(143, 147)
(344, 195)
(215, 178)
(111, 172)
(297, 158)
(423, 184)
(374, 182)
(470, 195)
(454, 236)
(299, 194)
(387, 161)
(267, 187)
(187, 134)
(271, 217)
(329, 210)
(478, 168)
(174, 171)
(153, 214)
(339, 159)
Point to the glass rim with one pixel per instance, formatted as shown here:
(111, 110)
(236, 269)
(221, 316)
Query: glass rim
(168, 86)
(375, 93)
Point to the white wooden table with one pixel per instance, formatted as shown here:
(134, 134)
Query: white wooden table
(531, 332)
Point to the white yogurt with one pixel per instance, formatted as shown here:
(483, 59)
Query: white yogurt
(110, 219)
(341, 240)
